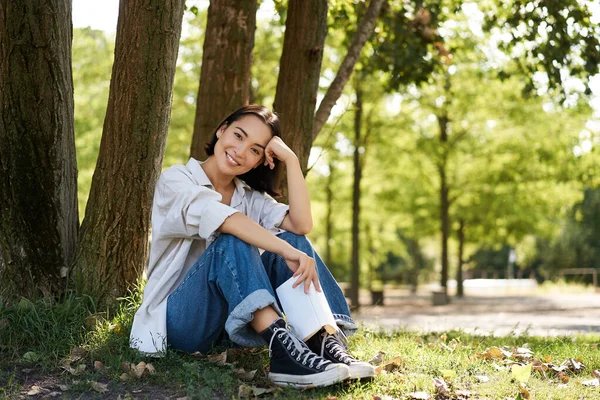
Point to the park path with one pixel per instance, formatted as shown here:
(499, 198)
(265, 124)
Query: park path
(500, 314)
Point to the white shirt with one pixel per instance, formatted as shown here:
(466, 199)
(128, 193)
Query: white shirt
(186, 214)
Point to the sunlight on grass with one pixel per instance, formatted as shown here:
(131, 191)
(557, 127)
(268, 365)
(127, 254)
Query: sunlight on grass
(85, 352)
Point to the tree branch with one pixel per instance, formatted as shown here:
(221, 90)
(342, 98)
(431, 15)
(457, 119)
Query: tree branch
(345, 71)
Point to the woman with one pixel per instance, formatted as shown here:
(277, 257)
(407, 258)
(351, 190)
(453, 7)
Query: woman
(206, 277)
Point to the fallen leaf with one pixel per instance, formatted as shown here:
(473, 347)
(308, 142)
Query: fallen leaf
(596, 373)
(219, 359)
(244, 375)
(494, 353)
(573, 364)
(482, 378)
(521, 373)
(419, 396)
(591, 382)
(563, 378)
(138, 370)
(378, 359)
(440, 386)
(98, 365)
(523, 391)
(99, 387)
(150, 369)
(64, 388)
(27, 370)
(124, 377)
(246, 391)
(332, 398)
(183, 398)
(53, 394)
(392, 365)
(35, 390)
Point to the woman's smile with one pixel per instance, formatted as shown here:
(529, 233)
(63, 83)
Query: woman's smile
(231, 160)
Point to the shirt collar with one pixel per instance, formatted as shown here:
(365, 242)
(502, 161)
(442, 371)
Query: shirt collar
(200, 176)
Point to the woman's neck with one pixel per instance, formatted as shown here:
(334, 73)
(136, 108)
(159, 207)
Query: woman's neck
(219, 181)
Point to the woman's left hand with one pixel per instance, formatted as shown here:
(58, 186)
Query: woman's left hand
(277, 149)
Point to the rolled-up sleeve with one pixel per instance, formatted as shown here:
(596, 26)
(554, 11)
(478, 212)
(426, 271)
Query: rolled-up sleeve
(272, 213)
(189, 209)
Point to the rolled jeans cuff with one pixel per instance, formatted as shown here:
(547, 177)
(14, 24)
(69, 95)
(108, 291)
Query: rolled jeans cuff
(237, 324)
(346, 324)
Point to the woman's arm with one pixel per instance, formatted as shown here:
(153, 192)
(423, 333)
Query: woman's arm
(242, 227)
(299, 220)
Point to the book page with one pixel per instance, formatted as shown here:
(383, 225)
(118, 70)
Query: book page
(306, 313)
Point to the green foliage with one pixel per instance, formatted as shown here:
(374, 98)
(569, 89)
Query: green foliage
(551, 36)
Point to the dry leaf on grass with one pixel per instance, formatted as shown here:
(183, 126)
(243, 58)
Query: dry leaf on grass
(591, 382)
(494, 353)
(332, 398)
(244, 375)
(419, 396)
(482, 378)
(98, 365)
(35, 390)
(524, 391)
(99, 387)
(562, 377)
(247, 392)
(378, 358)
(440, 386)
(392, 365)
(573, 365)
(219, 359)
(596, 373)
(136, 371)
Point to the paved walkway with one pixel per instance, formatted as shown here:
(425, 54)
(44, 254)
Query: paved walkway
(486, 313)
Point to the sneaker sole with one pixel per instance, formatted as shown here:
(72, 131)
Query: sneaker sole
(361, 371)
(324, 378)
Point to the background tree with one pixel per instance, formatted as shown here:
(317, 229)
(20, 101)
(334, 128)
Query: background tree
(113, 242)
(38, 182)
(226, 65)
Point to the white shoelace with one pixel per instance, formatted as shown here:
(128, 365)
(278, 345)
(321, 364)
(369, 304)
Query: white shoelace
(300, 348)
(338, 346)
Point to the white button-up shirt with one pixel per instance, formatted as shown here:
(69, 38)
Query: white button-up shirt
(186, 214)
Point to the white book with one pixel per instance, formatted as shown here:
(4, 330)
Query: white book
(305, 313)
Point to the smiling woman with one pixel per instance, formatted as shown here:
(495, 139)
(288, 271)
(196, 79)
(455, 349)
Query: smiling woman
(208, 283)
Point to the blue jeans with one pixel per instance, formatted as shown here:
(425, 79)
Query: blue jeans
(228, 283)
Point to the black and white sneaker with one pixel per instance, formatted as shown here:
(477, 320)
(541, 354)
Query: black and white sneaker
(294, 364)
(332, 348)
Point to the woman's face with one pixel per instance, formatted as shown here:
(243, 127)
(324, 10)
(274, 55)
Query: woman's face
(241, 145)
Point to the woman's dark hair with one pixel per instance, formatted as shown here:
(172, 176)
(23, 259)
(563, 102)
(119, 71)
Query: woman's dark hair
(261, 178)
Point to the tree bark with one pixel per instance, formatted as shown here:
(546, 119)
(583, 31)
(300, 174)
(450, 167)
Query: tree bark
(38, 170)
(460, 233)
(355, 264)
(444, 201)
(299, 72)
(113, 244)
(226, 61)
(364, 30)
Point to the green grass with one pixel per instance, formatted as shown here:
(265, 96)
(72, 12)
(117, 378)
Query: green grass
(45, 344)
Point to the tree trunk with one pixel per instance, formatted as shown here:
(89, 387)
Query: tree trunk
(113, 244)
(460, 233)
(444, 201)
(355, 264)
(364, 30)
(38, 178)
(299, 72)
(329, 213)
(416, 259)
(226, 61)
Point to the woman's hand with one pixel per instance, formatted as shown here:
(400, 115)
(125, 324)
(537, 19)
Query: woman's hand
(304, 268)
(276, 148)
